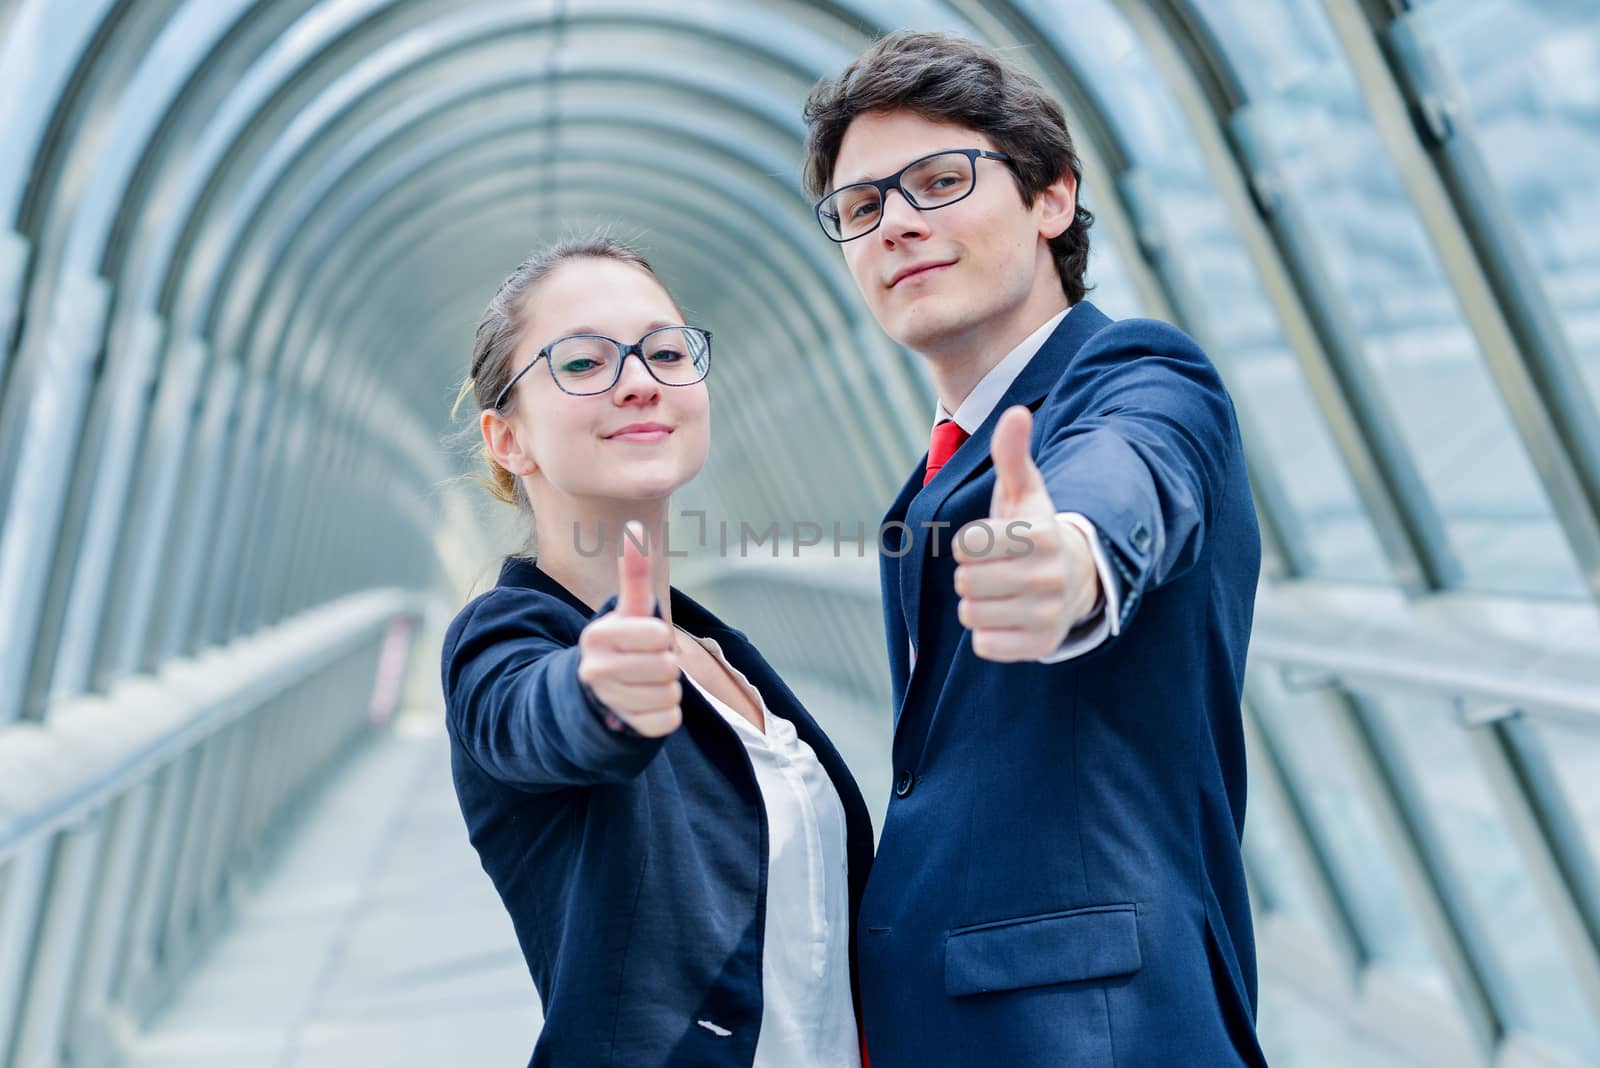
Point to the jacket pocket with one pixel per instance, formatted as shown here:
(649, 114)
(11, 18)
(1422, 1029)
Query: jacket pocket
(1096, 942)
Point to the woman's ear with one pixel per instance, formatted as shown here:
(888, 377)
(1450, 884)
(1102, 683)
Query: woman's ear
(504, 443)
(1056, 206)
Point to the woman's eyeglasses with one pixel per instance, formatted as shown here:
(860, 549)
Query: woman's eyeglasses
(586, 364)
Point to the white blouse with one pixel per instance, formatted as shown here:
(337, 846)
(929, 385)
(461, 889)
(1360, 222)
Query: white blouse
(807, 1018)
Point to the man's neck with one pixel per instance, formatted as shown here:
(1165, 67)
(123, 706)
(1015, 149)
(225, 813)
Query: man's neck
(957, 369)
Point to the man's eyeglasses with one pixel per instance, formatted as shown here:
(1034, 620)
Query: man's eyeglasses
(935, 181)
(586, 364)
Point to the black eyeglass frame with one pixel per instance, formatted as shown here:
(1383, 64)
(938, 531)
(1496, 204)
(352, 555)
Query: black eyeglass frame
(635, 349)
(883, 185)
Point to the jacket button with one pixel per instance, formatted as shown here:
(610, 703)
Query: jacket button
(1141, 538)
(902, 785)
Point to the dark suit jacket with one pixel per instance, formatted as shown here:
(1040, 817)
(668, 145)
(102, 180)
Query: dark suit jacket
(634, 869)
(1059, 880)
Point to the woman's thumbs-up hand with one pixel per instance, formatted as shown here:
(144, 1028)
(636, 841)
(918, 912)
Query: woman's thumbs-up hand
(627, 657)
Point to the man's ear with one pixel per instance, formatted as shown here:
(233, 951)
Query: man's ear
(500, 437)
(1056, 206)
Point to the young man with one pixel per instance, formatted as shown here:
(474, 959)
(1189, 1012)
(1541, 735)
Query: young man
(1059, 878)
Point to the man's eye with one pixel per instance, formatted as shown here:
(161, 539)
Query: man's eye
(863, 209)
(944, 182)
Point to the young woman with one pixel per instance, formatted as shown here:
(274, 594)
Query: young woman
(680, 848)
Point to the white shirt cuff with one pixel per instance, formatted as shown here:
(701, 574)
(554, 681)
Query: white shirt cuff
(1104, 620)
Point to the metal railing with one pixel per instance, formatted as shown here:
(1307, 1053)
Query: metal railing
(129, 820)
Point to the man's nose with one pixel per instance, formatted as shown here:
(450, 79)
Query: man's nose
(900, 219)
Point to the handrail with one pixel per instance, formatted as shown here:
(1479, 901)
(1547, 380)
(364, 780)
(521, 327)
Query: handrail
(1362, 637)
(92, 748)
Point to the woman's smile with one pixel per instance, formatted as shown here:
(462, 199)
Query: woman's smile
(641, 433)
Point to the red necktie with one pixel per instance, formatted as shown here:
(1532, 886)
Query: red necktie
(947, 438)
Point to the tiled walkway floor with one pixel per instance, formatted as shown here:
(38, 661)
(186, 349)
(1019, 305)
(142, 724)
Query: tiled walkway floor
(377, 940)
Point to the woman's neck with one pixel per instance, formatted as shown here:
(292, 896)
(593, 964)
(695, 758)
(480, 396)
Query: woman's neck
(580, 543)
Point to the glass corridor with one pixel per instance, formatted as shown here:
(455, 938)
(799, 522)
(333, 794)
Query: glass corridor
(242, 244)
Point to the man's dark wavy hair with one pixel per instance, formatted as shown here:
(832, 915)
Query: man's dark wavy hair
(950, 79)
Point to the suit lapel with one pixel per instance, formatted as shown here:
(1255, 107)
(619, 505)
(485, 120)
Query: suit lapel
(891, 557)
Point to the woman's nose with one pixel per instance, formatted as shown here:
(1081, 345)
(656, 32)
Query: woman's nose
(635, 384)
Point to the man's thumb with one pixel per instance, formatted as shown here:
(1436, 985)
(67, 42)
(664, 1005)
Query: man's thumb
(1015, 476)
(634, 597)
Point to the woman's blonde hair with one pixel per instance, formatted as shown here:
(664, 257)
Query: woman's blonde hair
(500, 332)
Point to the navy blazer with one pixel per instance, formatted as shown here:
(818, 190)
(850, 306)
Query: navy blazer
(634, 869)
(1059, 879)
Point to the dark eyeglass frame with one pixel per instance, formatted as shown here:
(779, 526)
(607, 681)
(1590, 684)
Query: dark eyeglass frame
(883, 185)
(624, 351)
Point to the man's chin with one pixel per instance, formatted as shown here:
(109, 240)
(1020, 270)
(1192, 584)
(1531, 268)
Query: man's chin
(927, 332)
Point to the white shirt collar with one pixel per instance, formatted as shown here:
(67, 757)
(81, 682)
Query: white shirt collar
(972, 412)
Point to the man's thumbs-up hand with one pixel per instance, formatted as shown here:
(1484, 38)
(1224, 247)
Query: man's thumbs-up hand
(1019, 490)
(627, 657)
(1024, 578)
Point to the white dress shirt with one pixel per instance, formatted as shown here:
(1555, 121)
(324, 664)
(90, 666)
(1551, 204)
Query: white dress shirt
(808, 1019)
(1103, 620)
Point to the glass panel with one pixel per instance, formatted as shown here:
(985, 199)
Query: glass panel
(1303, 727)
(1254, 357)
(1110, 286)
(1491, 873)
(1307, 107)
(1270, 857)
(1529, 75)
(1573, 750)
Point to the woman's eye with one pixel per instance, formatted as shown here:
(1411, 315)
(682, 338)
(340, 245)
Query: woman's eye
(579, 365)
(667, 356)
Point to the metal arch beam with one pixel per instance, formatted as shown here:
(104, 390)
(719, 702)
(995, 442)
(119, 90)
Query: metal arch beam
(1328, 349)
(1406, 524)
(341, 226)
(1483, 261)
(679, 135)
(404, 172)
(800, 267)
(332, 152)
(462, 30)
(61, 339)
(38, 53)
(789, 228)
(231, 525)
(1483, 258)
(858, 333)
(825, 268)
